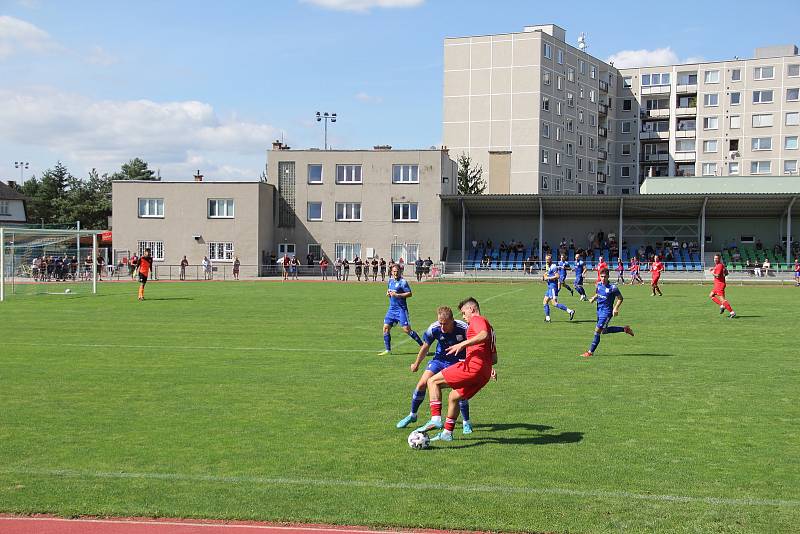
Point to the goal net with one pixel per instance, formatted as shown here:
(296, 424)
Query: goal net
(61, 263)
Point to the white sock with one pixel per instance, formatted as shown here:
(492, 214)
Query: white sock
(436, 418)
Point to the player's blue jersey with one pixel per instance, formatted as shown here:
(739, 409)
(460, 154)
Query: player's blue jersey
(580, 267)
(446, 340)
(562, 269)
(552, 270)
(606, 294)
(398, 286)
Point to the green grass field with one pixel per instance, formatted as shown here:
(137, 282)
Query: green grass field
(263, 400)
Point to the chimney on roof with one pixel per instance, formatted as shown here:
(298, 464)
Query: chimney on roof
(12, 184)
(278, 145)
(382, 147)
(198, 177)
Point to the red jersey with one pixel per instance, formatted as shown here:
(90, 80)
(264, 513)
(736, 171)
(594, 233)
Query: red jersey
(620, 267)
(145, 264)
(634, 265)
(655, 268)
(796, 267)
(485, 349)
(600, 266)
(720, 272)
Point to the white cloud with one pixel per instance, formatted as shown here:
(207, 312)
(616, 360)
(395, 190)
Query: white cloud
(98, 56)
(367, 98)
(363, 5)
(17, 35)
(106, 133)
(643, 58)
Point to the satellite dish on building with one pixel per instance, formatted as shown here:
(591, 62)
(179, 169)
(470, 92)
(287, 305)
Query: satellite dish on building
(582, 41)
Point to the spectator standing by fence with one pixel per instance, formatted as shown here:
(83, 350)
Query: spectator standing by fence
(208, 268)
(345, 269)
(294, 267)
(382, 265)
(236, 265)
(184, 264)
(323, 267)
(375, 264)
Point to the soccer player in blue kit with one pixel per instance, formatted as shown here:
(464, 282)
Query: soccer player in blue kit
(580, 271)
(563, 267)
(609, 299)
(445, 332)
(552, 278)
(398, 291)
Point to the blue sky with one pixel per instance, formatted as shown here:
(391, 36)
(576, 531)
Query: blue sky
(207, 85)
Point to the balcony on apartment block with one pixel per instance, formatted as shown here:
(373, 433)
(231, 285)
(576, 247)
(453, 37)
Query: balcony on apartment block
(687, 83)
(686, 112)
(601, 177)
(656, 90)
(602, 131)
(603, 109)
(654, 113)
(685, 156)
(602, 154)
(659, 156)
(603, 86)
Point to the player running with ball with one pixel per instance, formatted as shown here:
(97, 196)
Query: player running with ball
(609, 299)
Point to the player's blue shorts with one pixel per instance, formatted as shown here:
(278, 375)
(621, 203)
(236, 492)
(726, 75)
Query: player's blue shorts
(602, 321)
(562, 278)
(398, 315)
(436, 365)
(579, 281)
(552, 292)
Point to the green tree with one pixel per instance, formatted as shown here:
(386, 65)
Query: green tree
(135, 169)
(470, 177)
(46, 195)
(88, 201)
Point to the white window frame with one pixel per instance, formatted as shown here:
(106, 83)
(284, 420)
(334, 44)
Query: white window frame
(708, 169)
(153, 208)
(733, 168)
(560, 56)
(558, 158)
(796, 94)
(570, 74)
(736, 75)
(546, 77)
(738, 98)
(758, 72)
(685, 145)
(4, 207)
(735, 122)
(546, 130)
(710, 146)
(545, 156)
(223, 248)
(559, 110)
(759, 96)
(707, 100)
(548, 51)
(408, 212)
(760, 143)
(347, 250)
(348, 211)
(625, 172)
(795, 118)
(786, 142)
(546, 103)
(757, 167)
(405, 173)
(625, 149)
(626, 81)
(787, 163)
(349, 174)
(156, 249)
(707, 123)
(321, 173)
(544, 182)
(625, 127)
(793, 67)
(308, 211)
(560, 82)
(711, 76)
(224, 208)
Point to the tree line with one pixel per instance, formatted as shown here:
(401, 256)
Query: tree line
(58, 197)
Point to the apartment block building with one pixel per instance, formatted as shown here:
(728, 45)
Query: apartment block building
(726, 118)
(532, 111)
(347, 203)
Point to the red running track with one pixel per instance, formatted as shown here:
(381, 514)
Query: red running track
(56, 525)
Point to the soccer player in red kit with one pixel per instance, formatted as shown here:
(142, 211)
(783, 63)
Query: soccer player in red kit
(601, 266)
(465, 378)
(655, 270)
(718, 293)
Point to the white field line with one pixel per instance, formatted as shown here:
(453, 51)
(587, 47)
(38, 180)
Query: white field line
(180, 347)
(412, 486)
(502, 294)
(156, 523)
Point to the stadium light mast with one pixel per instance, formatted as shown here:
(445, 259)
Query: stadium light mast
(22, 166)
(325, 116)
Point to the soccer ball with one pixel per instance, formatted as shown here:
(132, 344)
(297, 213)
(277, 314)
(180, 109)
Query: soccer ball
(418, 440)
(68, 290)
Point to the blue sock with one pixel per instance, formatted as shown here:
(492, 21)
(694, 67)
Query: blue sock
(595, 342)
(547, 310)
(416, 399)
(387, 341)
(415, 337)
(561, 306)
(580, 290)
(614, 329)
(464, 405)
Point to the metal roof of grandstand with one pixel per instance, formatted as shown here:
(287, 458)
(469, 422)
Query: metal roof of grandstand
(759, 184)
(654, 205)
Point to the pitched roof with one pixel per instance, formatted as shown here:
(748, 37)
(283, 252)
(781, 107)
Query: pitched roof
(9, 193)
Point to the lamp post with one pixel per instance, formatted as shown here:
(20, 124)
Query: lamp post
(22, 166)
(325, 116)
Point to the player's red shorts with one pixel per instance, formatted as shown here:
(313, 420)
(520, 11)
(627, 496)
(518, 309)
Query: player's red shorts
(719, 289)
(655, 279)
(468, 377)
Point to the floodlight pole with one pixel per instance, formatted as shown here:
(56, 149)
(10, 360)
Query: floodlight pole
(94, 262)
(2, 265)
(78, 245)
(541, 233)
(619, 237)
(703, 236)
(789, 232)
(463, 233)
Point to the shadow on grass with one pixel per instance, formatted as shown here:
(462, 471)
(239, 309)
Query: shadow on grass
(644, 354)
(477, 439)
(168, 298)
(579, 322)
(737, 316)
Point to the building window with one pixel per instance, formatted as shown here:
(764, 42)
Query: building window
(315, 211)
(790, 143)
(151, 208)
(546, 130)
(626, 104)
(546, 103)
(709, 169)
(347, 250)
(710, 146)
(569, 174)
(733, 145)
(580, 92)
(4, 208)
(592, 120)
(711, 100)
(592, 95)
(593, 72)
(736, 75)
(684, 145)
(405, 211)
(625, 127)
(546, 78)
(733, 167)
(405, 174)
(156, 249)
(580, 116)
(315, 249)
(710, 123)
(655, 79)
(544, 182)
(790, 166)
(581, 66)
(793, 94)
(546, 156)
(626, 149)
(793, 71)
(558, 185)
(560, 82)
(625, 171)
(220, 251)
(711, 76)
(736, 99)
(548, 51)
(348, 174)
(763, 73)
(626, 81)
(760, 167)
(570, 125)
(591, 143)
(286, 194)
(580, 139)
(314, 173)
(570, 99)
(736, 122)
(570, 74)
(762, 97)
(558, 133)
(560, 56)
(220, 208)
(348, 211)
(570, 149)
(590, 165)
(580, 188)
(761, 143)
(558, 159)
(580, 164)
(792, 119)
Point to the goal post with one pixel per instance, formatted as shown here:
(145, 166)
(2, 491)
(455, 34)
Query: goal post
(37, 261)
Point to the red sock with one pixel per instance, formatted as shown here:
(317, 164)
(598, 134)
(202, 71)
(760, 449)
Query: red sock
(716, 299)
(436, 408)
(449, 424)
(728, 306)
